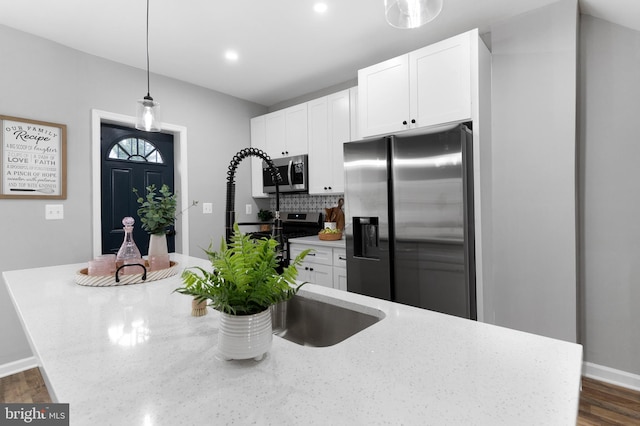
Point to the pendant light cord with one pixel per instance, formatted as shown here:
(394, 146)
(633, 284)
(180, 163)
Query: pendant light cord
(148, 84)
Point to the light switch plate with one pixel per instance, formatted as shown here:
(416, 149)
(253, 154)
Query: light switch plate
(207, 208)
(248, 208)
(53, 211)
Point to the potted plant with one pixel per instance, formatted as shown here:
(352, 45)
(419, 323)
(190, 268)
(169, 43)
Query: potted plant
(265, 216)
(157, 212)
(242, 286)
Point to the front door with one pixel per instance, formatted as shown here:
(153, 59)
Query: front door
(130, 159)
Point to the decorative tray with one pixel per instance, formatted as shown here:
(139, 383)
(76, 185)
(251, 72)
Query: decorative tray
(83, 278)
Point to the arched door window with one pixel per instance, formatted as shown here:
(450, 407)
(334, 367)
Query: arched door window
(136, 149)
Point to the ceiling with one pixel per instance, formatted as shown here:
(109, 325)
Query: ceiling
(285, 49)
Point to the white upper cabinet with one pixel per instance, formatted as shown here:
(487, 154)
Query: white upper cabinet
(286, 132)
(258, 140)
(353, 114)
(319, 150)
(440, 76)
(329, 128)
(425, 87)
(296, 125)
(383, 97)
(274, 134)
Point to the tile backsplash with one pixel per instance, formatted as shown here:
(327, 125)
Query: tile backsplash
(305, 202)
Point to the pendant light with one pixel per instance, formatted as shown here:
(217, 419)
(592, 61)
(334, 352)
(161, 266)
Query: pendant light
(411, 13)
(148, 110)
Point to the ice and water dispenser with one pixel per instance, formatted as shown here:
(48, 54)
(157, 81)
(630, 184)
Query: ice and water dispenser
(366, 238)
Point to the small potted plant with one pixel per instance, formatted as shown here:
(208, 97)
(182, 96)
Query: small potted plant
(157, 212)
(242, 286)
(265, 216)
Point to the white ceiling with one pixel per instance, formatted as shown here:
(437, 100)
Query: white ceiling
(286, 50)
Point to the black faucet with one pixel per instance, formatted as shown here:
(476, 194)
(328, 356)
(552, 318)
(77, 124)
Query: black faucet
(231, 191)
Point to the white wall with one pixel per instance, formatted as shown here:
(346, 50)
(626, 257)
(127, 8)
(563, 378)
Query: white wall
(610, 193)
(533, 284)
(45, 81)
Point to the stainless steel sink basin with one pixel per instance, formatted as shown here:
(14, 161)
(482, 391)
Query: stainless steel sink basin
(309, 319)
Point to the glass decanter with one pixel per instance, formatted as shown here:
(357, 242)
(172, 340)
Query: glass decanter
(129, 252)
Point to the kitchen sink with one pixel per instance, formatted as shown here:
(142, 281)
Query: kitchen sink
(309, 319)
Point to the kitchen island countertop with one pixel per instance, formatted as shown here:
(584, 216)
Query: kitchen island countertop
(134, 355)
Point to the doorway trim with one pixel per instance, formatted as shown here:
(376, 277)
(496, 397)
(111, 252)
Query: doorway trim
(180, 178)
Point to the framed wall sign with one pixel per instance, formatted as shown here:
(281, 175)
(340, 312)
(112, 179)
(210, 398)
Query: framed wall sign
(34, 159)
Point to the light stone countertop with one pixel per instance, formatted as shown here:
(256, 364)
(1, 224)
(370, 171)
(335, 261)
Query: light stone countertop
(314, 240)
(133, 355)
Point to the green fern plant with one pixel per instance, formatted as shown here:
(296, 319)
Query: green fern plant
(244, 280)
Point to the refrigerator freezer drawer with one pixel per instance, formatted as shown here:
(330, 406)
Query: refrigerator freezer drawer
(433, 276)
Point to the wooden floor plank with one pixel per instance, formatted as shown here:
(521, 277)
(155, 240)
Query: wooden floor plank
(26, 386)
(604, 404)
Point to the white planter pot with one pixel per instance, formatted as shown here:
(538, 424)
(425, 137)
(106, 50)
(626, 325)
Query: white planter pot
(245, 336)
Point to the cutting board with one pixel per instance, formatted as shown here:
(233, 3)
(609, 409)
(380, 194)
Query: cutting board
(335, 214)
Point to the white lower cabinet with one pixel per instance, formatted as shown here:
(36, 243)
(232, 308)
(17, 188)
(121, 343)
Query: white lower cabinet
(325, 266)
(340, 269)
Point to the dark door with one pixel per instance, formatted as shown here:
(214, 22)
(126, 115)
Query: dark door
(131, 159)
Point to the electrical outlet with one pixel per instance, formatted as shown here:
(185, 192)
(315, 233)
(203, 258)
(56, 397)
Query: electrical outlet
(207, 208)
(53, 212)
(248, 208)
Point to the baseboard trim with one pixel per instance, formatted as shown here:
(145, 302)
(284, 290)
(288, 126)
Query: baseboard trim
(18, 366)
(611, 375)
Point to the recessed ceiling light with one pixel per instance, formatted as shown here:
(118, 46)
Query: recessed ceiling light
(320, 7)
(231, 55)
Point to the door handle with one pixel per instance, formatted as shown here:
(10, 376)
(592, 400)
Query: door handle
(290, 173)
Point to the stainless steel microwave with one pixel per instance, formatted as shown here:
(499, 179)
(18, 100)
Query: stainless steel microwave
(295, 176)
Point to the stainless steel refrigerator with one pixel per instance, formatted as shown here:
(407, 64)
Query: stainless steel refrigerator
(409, 233)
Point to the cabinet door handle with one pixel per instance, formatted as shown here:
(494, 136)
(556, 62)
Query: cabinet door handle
(311, 269)
(413, 121)
(325, 188)
(329, 187)
(404, 123)
(311, 254)
(342, 258)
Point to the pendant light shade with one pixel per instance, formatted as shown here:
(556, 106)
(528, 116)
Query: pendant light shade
(148, 110)
(411, 13)
(148, 115)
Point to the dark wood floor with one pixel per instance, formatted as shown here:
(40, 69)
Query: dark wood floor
(604, 404)
(601, 404)
(26, 386)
